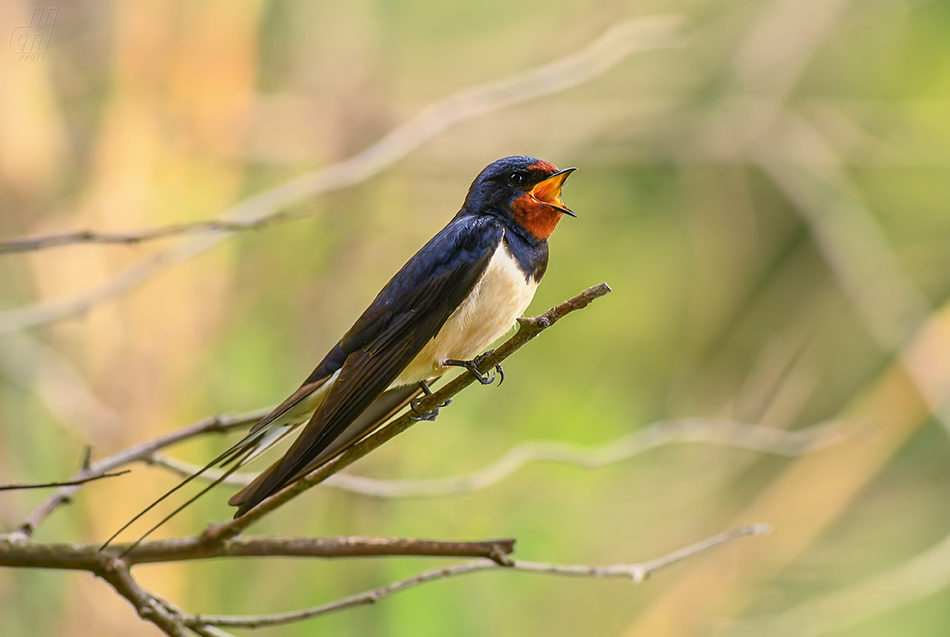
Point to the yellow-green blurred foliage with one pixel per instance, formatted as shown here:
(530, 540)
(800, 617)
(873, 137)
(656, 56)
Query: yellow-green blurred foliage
(769, 199)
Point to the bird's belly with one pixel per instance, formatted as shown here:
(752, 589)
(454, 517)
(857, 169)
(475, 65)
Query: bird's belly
(500, 296)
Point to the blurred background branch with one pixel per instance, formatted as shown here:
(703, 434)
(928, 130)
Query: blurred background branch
(267, 207)
(765, 182)
(113, 564)
(721, 432)
(97, 469)
(64, 483)
(528, 329)
(637, 573)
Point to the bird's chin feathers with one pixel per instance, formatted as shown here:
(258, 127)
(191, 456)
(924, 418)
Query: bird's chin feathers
(537, 217)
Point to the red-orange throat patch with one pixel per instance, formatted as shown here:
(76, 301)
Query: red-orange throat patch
(535, 217)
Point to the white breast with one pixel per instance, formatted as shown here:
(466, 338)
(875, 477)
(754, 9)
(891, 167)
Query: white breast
(500, 296)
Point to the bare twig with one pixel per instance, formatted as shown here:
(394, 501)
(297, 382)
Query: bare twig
(529, 329)
(634, 572)
(146, 605)
(223, 540)
(173, 620)
(639, 572)
(147, 449)
(729, 433)
(597, 58)
(215, 424)
(210, 631)
(64, 483)
(87, 556)
(28, 244)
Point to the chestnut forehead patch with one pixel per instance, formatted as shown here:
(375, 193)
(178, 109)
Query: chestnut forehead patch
(546, 166)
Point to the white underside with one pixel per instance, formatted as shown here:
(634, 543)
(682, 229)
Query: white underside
(499, 297)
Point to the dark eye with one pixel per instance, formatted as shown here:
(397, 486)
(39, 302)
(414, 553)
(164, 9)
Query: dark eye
(516, 178)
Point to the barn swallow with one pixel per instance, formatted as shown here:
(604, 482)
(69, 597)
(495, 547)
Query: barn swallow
(460, 292)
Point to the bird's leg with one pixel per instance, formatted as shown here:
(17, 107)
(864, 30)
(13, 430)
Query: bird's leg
(472, 366)
(428, 415)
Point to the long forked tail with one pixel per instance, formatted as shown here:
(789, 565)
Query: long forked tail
(260, 439)
(273, 479)
(236, 454)
(267, 432)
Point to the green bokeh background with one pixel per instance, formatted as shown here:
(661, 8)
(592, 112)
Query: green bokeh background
(712, 178)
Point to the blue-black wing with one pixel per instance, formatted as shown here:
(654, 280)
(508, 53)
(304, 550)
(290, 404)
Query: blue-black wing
(407, 314)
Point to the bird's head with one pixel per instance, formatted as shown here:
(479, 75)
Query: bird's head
(522, 190)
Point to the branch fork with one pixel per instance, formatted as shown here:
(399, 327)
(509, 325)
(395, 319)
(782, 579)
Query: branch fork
(225, 540)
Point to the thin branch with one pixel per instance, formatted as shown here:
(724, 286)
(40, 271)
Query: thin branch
(218, 424)
(528, 330)
(29, 244)
(179, 615)
(634, 572)
(65, 483)
(729, 433)
(215, 424)
(87, 556)
(223, 541)
(639, 572)
(597, 58)
(146, 605)
(210, 631)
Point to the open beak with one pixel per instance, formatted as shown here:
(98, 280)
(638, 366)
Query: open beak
(548, 191)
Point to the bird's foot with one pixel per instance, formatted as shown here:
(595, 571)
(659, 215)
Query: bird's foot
(417, 412)
(472, 367)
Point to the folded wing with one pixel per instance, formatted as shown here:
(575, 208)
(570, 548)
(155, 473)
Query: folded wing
(405, 316)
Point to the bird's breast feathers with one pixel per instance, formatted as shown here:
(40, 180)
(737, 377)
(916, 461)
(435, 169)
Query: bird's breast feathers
(500, 296)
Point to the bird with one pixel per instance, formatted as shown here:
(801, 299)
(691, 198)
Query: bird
(461, 291)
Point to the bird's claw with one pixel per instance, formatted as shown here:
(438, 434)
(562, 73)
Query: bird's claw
(472, 367)
(497, 368)
(418, 414)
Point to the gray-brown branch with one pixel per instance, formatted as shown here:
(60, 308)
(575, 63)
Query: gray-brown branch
(269, 206)
(636, 573)
(718, 431)
(136, 453)
(88, 557)
(529, 328)
(16, 549)
(74, 482)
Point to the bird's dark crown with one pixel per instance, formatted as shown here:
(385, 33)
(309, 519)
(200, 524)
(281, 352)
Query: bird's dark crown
(524, 192)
